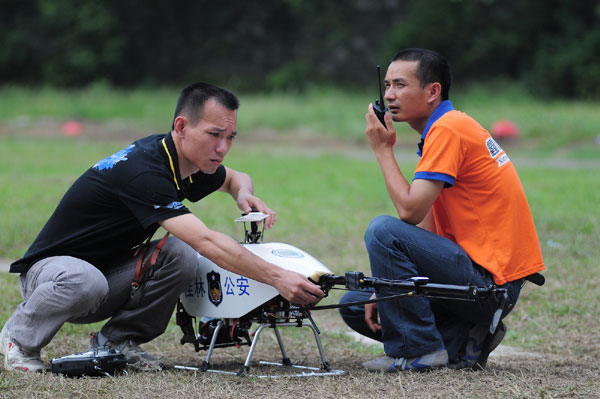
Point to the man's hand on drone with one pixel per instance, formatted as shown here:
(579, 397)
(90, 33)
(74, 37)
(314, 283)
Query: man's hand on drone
(297, 289)
(372, 316)
(250, 203)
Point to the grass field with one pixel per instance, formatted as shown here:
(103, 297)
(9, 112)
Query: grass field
(550, 124)
(326, 188)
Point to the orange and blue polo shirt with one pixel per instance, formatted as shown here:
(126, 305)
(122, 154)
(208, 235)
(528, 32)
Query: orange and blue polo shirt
(482, 206)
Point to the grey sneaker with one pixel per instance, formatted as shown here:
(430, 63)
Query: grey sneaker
(425, 362)
(474, 356)
(16, 358)
(136, 357)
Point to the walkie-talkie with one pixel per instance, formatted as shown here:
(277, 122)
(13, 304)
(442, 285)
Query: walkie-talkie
(379, 106)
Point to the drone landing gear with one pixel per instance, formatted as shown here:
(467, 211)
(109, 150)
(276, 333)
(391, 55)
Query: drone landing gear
(303, 371)
(286, 362)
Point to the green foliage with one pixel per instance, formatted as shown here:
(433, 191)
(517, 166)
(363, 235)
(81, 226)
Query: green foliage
(58, 42)
(291, 44)
(553, 45)
(565, 69)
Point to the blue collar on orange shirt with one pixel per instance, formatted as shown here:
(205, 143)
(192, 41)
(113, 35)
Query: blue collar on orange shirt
(440, 110)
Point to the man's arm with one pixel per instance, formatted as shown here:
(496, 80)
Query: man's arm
(239, 185)
(428, 222)
(412, 201)
(227, 253)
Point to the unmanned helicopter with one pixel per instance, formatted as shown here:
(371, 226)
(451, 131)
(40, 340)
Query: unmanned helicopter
(219, 308)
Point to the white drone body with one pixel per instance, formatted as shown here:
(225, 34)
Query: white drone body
(228, 304)
(217, 292)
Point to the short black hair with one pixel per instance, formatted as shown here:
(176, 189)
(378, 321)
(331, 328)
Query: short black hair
(432, 67)
(193, 97)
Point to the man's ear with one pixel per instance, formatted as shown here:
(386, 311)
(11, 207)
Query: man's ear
(179, 125)
(435, 91)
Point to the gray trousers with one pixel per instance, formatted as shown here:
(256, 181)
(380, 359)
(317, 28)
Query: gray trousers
(65, 289)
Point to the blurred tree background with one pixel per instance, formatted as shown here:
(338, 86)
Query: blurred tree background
(551, 46)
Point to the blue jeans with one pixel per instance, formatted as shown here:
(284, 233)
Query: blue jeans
(417, 325)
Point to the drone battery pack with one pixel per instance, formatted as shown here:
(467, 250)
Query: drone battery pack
(92, 363)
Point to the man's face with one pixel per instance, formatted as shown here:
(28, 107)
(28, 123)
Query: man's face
(406, 99)
(205, 145)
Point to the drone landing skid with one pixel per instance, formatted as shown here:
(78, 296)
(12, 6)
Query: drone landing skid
(305, 371)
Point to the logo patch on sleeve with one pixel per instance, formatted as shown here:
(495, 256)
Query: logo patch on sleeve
(172, 205)
(502, 159)
(496, 151)
(493, 147)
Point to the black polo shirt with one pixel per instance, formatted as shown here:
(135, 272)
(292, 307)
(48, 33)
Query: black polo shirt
(117, 203)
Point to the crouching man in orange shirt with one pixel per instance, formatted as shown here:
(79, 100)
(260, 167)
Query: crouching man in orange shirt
(464, 219)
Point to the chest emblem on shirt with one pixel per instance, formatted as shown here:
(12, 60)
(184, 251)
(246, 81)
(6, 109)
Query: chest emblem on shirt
(215, 293)
(111, 161)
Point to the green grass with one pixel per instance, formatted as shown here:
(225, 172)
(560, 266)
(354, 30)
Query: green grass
(35, 173)
(550, 124)
(97, 103)
(324, 204)
(565, 208)
(317, 111)
(325, 197)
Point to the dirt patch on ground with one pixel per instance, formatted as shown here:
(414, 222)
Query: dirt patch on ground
(523, 377)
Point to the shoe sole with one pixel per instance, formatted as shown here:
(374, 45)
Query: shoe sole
(5, 336)
(410, 370)
(413, 370)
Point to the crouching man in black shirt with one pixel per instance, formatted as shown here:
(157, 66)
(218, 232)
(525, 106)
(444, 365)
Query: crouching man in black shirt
(80, 267)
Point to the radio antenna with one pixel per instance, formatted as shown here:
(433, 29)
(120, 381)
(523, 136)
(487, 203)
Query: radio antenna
(379, 80)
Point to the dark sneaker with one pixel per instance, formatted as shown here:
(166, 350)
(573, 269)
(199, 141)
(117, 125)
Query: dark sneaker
(16, 358)
(425, 362)
(474, 356)
(136, 357)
